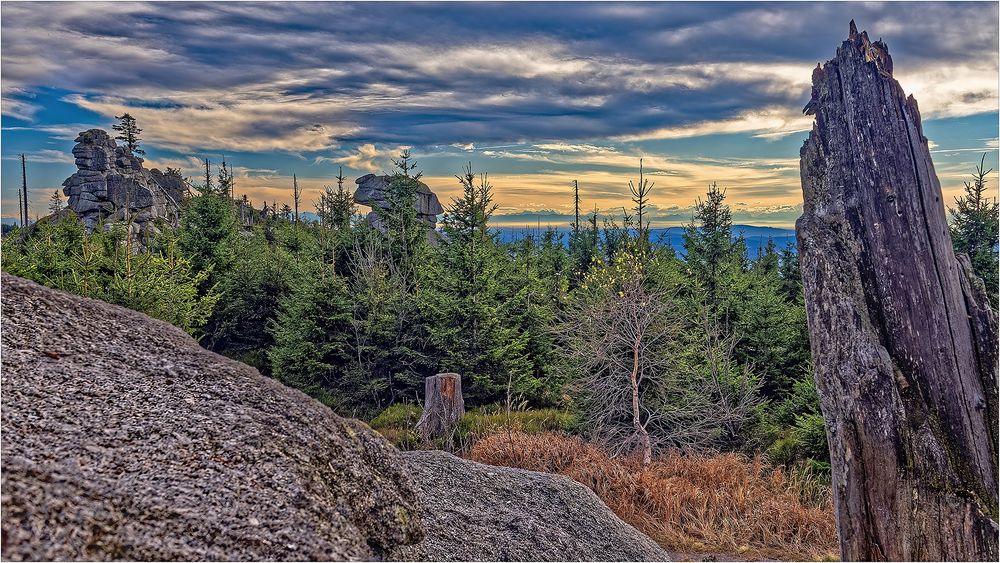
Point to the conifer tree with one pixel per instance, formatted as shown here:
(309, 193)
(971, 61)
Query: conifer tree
(791, 275)
(128, 131)
(208, 187)
(312, 339)
(55, 203)
(640, 198)
(713, 255)
(974, 229)
(226, 183)
(767, 262)
(478, 338)
(295, 196)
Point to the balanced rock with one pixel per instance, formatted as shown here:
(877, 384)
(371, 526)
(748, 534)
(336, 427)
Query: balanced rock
(371, 191)
(904, 342)
(111, 183)
(124, 439)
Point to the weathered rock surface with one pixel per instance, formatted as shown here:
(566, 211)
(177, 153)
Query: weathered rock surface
(123, 439)
(371, 192)
(476, 512)
(110, 181)
(904, 344)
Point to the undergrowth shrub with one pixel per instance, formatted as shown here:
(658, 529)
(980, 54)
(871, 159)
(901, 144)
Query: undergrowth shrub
(397, 423)
(724, 502)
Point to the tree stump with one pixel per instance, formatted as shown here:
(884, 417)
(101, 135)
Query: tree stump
(443, 405)
(904, 343)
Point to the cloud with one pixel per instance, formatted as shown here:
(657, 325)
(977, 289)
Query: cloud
(45, 156)
(225, 122)
(367, 157)
(292, 77)
(546, 93)
(768, 122)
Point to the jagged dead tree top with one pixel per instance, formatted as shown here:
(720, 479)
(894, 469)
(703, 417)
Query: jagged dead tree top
(903, 340)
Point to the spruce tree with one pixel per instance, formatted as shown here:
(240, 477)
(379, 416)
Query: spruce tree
(128, 131)
(476, 333)
(714, 257)
(226, 181)
(791, 275)
(640, 199)
(312, 335)
(974, 229)
(55, 203)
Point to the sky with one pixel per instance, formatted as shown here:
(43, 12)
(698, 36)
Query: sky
(535, 94)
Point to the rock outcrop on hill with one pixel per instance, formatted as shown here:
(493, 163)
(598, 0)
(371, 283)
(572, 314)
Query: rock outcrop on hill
(371, 192)
(476, 512)
(123, 439)
(111, 182)
(904, 342)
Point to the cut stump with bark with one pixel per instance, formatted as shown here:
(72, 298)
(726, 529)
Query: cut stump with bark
(904, 342)
(443, 405)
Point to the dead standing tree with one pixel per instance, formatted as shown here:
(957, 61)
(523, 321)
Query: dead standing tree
(903, 340)
(616, 332)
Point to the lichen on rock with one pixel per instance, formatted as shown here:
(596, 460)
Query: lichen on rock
(124, 439)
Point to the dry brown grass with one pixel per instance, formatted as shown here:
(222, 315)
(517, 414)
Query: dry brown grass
(717, 503)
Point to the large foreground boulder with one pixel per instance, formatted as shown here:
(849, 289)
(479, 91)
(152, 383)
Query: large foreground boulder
(123, 439)
(476, 512)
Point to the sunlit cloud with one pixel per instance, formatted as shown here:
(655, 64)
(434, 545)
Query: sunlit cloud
(367, 157)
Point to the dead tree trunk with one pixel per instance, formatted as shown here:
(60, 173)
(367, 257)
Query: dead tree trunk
(443, 405)
(903, 341)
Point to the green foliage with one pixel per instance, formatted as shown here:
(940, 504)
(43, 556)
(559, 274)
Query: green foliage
(492, 419)
(358, 315)
(157, 280)
(397, 423)
(474, 301)
(975, 225)
(208, 233)
(311, 336)
(399, 416)
(713, 256)
(260, 273)
(128, 131)
(806, 440)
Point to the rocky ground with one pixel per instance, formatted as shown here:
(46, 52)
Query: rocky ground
(123, 439)
(476, 512)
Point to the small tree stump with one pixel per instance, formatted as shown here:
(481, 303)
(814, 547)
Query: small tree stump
(443, 405)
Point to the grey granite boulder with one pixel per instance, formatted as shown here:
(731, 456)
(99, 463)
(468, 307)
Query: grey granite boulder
(476, 512)
(371, 192)
(123, 439)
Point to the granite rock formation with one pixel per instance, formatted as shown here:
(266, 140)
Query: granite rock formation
(904, 343)
(371, 192)
(123, 439)
(476, 512)
(111, 183)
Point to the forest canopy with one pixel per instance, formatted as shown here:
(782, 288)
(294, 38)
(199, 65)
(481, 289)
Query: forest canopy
(646, 348)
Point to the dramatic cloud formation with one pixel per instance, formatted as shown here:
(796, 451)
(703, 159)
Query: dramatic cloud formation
(538, 94)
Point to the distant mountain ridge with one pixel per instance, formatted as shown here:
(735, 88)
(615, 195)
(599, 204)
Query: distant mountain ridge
(756, 237)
